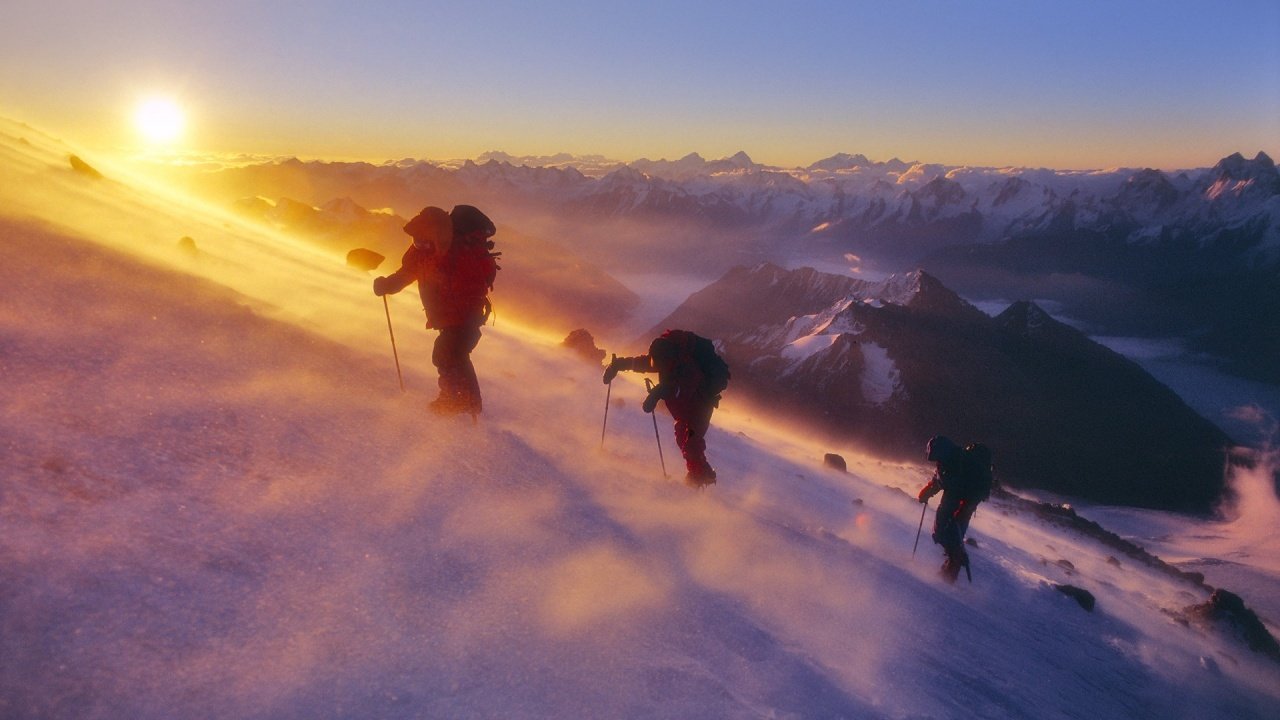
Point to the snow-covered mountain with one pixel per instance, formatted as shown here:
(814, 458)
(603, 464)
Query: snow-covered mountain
(216, 503)
(872, 206)
(888, 363)
(1193, 253)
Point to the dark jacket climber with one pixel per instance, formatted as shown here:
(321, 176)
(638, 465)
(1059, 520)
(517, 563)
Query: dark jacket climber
(450, 259)
(691, 376)
(963, 476)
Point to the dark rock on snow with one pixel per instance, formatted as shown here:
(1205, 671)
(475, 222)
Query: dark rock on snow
(1080, 595)
(84, 168)
(581, 342)
(1226, 610)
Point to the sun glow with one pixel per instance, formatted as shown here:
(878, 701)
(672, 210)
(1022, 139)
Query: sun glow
(159, 120)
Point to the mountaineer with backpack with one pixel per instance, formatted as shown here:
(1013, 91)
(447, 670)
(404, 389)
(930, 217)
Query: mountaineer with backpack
(453, 262)
(964, 477)
(691, 376)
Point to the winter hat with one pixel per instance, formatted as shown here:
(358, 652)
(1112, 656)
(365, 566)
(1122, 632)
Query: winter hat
(940, 448)
(468, 219)
(432, 227)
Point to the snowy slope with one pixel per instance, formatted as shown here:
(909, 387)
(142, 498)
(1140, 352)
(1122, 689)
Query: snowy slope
(216, 503)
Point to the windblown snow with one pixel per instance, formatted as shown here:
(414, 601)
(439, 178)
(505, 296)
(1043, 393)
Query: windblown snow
(217, 503)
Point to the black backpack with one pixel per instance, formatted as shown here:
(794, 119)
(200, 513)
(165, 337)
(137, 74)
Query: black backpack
(714, 369)
(978, 475)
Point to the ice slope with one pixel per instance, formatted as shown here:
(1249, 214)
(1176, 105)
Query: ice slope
(216, 503)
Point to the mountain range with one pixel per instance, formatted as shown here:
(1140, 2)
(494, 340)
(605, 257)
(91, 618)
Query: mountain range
(1192, 253)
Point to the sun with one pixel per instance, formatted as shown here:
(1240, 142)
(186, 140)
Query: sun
(159, 120)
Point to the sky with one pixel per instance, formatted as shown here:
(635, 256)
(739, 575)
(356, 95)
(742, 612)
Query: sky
(1069, 85)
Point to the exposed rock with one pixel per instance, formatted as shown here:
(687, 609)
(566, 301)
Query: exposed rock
(84, 168)
(1226, 610)
(835, 462)
(581, 342)
(1080, 595)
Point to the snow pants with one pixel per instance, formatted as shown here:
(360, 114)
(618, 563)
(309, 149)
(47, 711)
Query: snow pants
(949, 527)
(692, 420)
(952, 521)
(452, 357)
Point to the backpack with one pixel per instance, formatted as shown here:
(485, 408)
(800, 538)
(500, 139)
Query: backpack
(715, 371)
(476, 262)
(978, 475)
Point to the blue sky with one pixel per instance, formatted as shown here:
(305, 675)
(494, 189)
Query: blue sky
(1078, 84)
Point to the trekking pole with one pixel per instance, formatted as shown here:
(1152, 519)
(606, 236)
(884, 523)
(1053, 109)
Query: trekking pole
(923, 510)
(607, 393)
(649, 386)
(394, 353)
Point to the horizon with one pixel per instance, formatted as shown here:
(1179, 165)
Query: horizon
(1079, 87)
(567, 158)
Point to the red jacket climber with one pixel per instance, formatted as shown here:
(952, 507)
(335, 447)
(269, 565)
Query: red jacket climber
(450, 259)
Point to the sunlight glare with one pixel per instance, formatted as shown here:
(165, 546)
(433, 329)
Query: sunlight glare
(159, 120)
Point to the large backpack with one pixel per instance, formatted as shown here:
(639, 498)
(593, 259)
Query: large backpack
(978, 475)
(715, 370)
(475, 263)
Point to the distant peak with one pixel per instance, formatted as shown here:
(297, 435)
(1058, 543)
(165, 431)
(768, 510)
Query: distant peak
(1236, 167)
(840, 161)
(1027, 319)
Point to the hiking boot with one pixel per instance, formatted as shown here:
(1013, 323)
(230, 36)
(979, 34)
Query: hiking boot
(957, 560)
(447, 405)
(950, 570)
(700, 477)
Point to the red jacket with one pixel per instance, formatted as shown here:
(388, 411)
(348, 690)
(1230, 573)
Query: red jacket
(454, 287)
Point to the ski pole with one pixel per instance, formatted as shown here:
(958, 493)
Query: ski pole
(394, 353)
(649, 386)
(923, 510)
(607, 393)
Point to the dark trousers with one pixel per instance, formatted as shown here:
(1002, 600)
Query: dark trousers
(692, 420)
(452, 357)
(952, 522)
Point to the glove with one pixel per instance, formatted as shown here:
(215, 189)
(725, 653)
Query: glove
(927, 492)
(380, 286)
(611, 371)
(651, 400)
